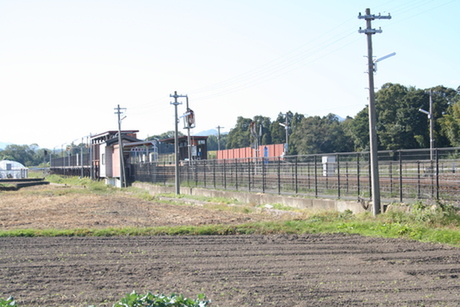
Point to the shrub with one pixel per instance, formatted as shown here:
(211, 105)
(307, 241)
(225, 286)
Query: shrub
(150, 300)
(10, 302)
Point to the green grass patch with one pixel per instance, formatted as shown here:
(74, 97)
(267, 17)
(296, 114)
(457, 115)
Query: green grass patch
(327, 222)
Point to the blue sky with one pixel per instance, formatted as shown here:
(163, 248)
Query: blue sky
(65, 65)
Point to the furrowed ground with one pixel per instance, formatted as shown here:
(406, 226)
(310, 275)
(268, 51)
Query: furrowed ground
(231, 270)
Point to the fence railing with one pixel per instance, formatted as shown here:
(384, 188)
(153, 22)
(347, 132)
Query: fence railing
(403, 175)
(75, 165)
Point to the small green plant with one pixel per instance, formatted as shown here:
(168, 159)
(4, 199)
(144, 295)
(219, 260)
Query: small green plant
(150, 300)
(8, 302)
(139, 300)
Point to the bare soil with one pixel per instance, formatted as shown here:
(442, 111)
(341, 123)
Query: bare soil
(256, 270)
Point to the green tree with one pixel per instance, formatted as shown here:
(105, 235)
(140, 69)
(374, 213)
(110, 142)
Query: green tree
(263, 125)
(277, 131)
(450, 121)
(212, 141)
(164, 135)
(23, 154)
(320, 135)
(240, 136)
(400, 125)
(358, 130)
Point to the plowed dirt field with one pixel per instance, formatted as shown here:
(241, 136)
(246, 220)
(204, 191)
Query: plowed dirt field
(256, 270)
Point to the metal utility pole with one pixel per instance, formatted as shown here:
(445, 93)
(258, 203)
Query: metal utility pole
(188, 134)
(431, 125)
(119, 112)
(218, 137)
(372, 117)
(431, 118)
(176, 141)
(286, 126)
(81, 157)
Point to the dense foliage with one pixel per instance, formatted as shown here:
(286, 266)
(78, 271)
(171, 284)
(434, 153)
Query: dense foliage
(24, 154)
(400, 124)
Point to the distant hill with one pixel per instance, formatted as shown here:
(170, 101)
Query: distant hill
(207, 132)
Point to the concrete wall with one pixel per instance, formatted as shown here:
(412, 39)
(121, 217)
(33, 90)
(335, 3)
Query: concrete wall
(262, 199)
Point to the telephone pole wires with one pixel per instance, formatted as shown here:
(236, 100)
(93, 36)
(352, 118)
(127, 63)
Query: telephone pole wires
(176, 141)
(372, 117)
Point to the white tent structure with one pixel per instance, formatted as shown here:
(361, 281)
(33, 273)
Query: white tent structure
(13, 170)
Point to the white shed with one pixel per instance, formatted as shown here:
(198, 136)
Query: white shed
(12, 170)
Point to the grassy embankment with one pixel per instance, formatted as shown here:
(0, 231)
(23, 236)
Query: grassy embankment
(437, 224)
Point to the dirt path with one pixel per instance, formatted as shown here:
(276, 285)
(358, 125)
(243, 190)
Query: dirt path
(54, 207)
(282, 270)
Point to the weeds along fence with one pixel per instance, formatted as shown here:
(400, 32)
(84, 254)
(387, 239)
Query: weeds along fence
(404, 175)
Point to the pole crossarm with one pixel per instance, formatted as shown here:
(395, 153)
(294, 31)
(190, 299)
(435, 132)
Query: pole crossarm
(370, 16)
(369, 31)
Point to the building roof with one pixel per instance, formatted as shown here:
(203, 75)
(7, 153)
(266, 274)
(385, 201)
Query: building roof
(13, 165)
(113, 132)
(108, 135)
(127, 138)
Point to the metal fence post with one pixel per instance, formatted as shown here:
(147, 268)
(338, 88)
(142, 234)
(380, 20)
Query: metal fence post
(236, 174)
(214, 172)
(316, 177)
(400, 177)
(296, 177)
(418, 179)
(358, 173)
(164, 173)
(346, 175)
(205, 166)
(225, 175)
(249, 174)
(437, 173)
(390, 172)
(279, 175)
(338, 175)
(263, 177)
(195, 167)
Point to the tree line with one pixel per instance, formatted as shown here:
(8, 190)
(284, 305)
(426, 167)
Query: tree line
(400, 125)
